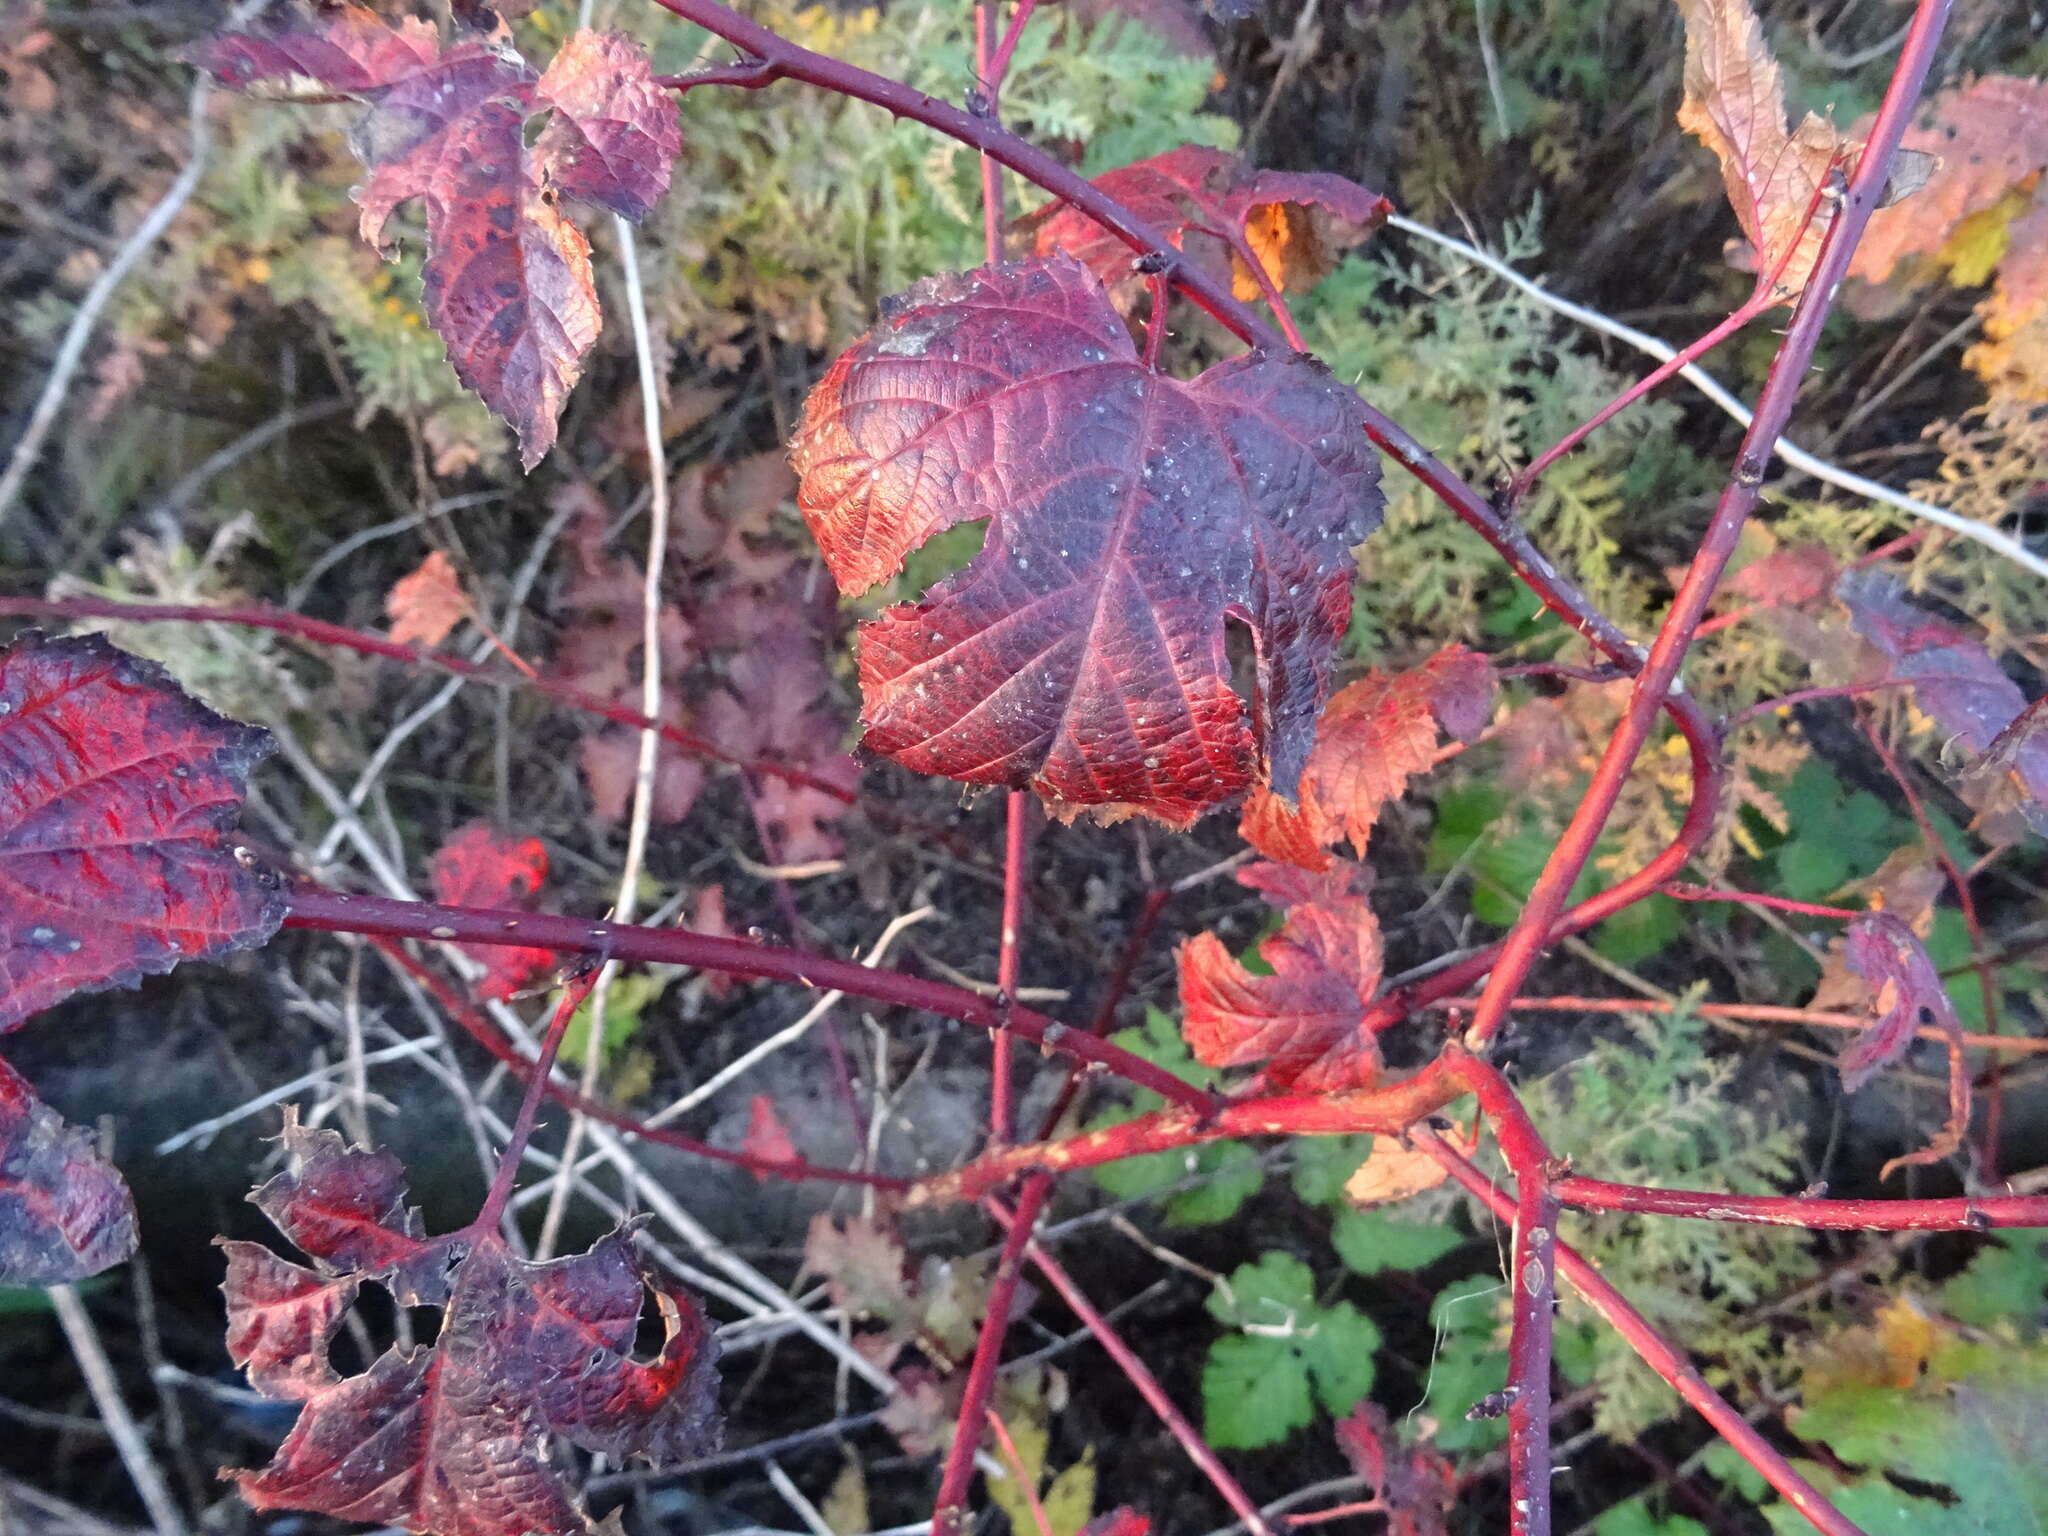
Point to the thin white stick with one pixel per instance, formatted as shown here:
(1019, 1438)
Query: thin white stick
(143, 1471)
(78, 335)
(628, 900)
(793, 1496)
(206, 1130)
(1796, 457)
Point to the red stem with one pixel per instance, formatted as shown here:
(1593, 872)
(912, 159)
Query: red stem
(992, 219)
(311, 906)
(1803, 695)
(1679, 890)
(1657, 1353)
(480, 1029)
(320, 632)
(1016, 863)
(493, 1209)
(1531, 933)
(1534, 1283)
(1140, 1376)
(999, 70)
(1971, 1213)
(949, 1514)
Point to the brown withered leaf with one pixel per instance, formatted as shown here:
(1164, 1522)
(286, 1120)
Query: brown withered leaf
(1735, 105)
(425, 606)
(1393, 1172)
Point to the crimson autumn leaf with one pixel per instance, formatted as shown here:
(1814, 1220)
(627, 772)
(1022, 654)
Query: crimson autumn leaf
(1220, 211)
(1304, 1019)
(507, 278)
(480, 866)
(1905, 993)
(64, 1212)
(451, 1438)
(1131, 515)
(116, 788)
(1375, 735)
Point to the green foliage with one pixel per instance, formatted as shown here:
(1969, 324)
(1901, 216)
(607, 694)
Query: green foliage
(1470, 1361)
(1225, 1174)
(1371, 1241)
(1657, 1109)
(1291, 1353)
(2005, 1285)
(626, 1000)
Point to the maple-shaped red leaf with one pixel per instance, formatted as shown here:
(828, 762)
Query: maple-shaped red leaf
(452, 1438)
(615, 133)
(507, 278)
(116, 788)
(1955, 680)
(1304, 1019)
(1218, 210)
(1375, 735)
(479, 866)
(1131, 516)
(64, 1212)
(1906, 994)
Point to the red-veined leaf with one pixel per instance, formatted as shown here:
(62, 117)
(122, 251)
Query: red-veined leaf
(480, 866)
(64, 1212)
(1905, 994)
(1375, 735)
(1295, 224)
(1735, 105)
(426, 604)
(452, 1438)
(1304, 1019)
(116, 788)
(1131, 515)
(615, 133)
(507, 278)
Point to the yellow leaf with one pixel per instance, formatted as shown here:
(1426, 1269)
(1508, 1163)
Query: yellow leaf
(846, 1507)
(1393, 1172)
(1735, 105)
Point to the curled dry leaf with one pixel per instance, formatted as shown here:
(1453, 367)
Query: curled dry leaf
(1904, 990)
(1304, 1021)
(452, 1438)
(1131, 517)
(480, 866)
(65, 1214)
(1777, 180)
(507, 277)
(1374, 736)
(1223, 214)
(425, 606)
(1393, 1172)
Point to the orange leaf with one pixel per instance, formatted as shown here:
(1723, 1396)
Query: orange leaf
(1374, 735)
(1393, 1172)
(766, 1138)
(2012, 359)
(426, 605)
(1735, 105)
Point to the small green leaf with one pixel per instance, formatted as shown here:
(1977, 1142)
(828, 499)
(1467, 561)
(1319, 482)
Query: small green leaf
(1276, 1291)
(2005, 1283)
(1323, 1163)
(1634, 1519)
(1371, 1241)
(1339, 1351)
(1255, 1392)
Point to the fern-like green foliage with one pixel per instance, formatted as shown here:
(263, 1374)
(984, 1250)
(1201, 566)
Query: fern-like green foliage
(1657, 1109)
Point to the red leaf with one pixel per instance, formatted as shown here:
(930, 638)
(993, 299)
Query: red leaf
(481, 867)
(1083, 652)
(2012, 775)
(64, 1212)
(1303, 1020)
(1790, 575)
(615, 133)
(1375, 735)
(425, 606)
(115, 790)
(1121, 1521)
(1414, 1485)
(1954, 678)
(507, 279)
(452, 1438)
(1296, 224)
(766, 1139)
(1905, 989)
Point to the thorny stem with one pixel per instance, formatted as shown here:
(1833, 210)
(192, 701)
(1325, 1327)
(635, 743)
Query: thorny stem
(1016, 865)
(1532, 1280)
(573, 994)
(1654, 684)
(312, 906)
(949, 1514)
(1657, 1353)
(1140, 1376)
(340, 636)
(480, 1029)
